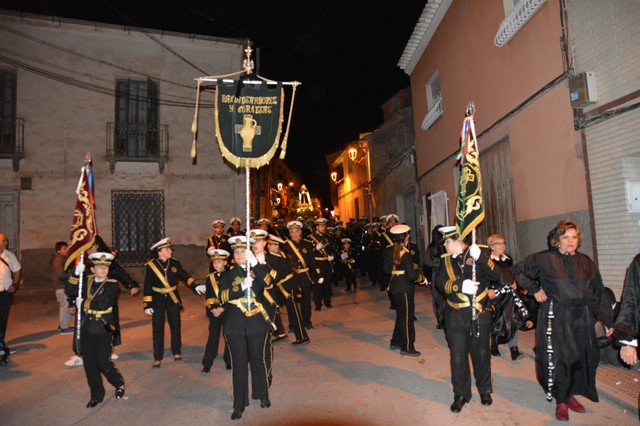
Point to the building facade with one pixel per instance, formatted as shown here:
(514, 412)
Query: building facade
(376, 174)
(127, 96)
(545, 153)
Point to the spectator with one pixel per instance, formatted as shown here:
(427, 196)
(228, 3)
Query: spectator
(58, 280)
(10, 275)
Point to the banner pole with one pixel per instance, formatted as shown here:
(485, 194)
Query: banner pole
(248, 230)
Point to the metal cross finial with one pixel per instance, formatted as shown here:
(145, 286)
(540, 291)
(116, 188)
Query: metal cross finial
(247, 64)
(470, 110)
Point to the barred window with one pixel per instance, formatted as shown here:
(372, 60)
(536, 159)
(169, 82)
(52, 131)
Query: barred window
(7, 111)
(138, 223)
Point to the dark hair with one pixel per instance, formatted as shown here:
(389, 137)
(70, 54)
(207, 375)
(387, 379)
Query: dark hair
(60, 244)
(561, 229)
(610, 294)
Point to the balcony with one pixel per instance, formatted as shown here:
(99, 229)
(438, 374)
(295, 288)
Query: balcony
(131, 142)
(12, 140)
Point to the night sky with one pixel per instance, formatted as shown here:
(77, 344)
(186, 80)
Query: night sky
(345, 54)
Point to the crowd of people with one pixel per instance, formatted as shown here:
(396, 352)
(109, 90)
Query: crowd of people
(482, 298)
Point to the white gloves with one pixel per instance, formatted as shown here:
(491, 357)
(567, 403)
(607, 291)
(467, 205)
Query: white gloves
(319, 246)
(79, 268)
(79, 301)
(474, 251)
(251, 258)
(201, 289)
(320, 280)
(149, 311)
(247, 282)
(330, 258)
(470, 287)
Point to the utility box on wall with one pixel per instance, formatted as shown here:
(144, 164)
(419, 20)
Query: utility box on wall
(582, 89)
(633, 196)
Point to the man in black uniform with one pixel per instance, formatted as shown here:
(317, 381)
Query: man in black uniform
(97, 325)
(161, 297)
(466, 334)
(247, 329)
(324, 252)
(282, 275)
(399, 264)
(300, 251)
(235, 228)
(271, 294)
(214, 310)
(218, 240)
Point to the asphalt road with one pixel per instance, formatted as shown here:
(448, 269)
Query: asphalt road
(347, 375)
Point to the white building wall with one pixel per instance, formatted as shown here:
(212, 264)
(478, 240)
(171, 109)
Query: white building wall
(605, 41)
(63, 121)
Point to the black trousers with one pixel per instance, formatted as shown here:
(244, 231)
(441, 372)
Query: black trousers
(305, 305)
(295, 317)
(322, 292)
(96, 351)
(213, 342)
(249, 352)
(404, 331)
(461, 343)
(5, 304)
(164, 307)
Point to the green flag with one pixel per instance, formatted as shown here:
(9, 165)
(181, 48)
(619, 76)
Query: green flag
(469, 204)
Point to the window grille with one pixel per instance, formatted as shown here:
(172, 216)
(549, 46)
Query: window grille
(138, 223)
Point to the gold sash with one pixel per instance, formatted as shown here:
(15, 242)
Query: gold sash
(164, 282)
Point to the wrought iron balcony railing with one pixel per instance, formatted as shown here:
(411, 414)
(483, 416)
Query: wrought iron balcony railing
(137, 143)
(12, 140)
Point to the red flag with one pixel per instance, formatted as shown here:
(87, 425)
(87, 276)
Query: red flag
(84, 228)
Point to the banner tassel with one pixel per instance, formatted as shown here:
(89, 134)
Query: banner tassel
(194, 125)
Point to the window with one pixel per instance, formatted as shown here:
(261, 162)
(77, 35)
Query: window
(7, 111)
(434, 101)
(137, 131)
(138, 222)
(433, 91)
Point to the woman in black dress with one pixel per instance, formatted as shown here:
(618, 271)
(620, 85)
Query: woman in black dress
(568, 286)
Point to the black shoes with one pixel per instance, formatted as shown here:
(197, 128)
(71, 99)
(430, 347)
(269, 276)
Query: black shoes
(495, 351)
(236, 414)
(301, 341)
(177, 357)
(515, 353)
(412, 352)
(458, 403)
(228, 367)
(93, 403)
(120, 392)
(206, 370)
(486, 399)
(156, 364)
(279, 338)
(265, 403)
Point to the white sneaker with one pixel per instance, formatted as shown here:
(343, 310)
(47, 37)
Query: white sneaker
(114, 356)
(74, 361)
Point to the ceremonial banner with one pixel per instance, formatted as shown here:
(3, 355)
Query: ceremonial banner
(248, 122)
(84, 228)
(469, 204)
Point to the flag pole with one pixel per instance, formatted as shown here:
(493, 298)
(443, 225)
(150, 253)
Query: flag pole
(79, 308)
(248, 232)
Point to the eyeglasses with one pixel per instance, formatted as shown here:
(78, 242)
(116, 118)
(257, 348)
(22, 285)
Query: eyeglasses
(498, 244)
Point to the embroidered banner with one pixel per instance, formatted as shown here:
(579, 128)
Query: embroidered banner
(248, 122)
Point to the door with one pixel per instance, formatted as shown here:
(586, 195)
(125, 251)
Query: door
(9, 218)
